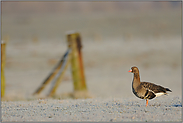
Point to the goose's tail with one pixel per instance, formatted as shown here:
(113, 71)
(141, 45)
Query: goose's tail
(167, 89)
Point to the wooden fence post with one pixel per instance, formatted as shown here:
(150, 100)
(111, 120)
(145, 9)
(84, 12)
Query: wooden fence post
(3, 58)
(73, 56)
(74, 42)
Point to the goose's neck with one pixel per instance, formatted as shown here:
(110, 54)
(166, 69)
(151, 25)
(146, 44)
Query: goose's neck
(136, 77)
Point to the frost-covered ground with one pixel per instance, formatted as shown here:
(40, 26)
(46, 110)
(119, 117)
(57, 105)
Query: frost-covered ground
(98, 109)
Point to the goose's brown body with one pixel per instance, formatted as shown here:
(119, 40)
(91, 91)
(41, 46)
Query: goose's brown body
(145, 90)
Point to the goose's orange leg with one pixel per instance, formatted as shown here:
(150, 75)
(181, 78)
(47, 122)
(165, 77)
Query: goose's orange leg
(146, 103)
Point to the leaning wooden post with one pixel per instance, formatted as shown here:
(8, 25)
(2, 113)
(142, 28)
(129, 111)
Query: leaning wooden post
(60, 74)
(3, 57)
(74, 42)
(49, 78)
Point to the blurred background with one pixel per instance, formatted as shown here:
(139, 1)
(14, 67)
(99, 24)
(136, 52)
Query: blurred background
(115, 37)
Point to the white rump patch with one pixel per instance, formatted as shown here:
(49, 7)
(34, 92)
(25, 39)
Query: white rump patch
(159, 94)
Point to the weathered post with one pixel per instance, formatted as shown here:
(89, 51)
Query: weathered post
(3, 58)
(51, 76)
(60, 74)
(72, 56)
(80, 88)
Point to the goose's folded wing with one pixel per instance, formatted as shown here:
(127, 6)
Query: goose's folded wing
(153, 87)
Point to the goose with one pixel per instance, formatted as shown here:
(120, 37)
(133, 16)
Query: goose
(145, 90)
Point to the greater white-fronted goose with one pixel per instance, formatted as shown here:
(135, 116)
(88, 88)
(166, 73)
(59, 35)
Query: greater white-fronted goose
(145, 90)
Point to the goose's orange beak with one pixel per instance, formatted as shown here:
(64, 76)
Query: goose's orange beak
(130, 71)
